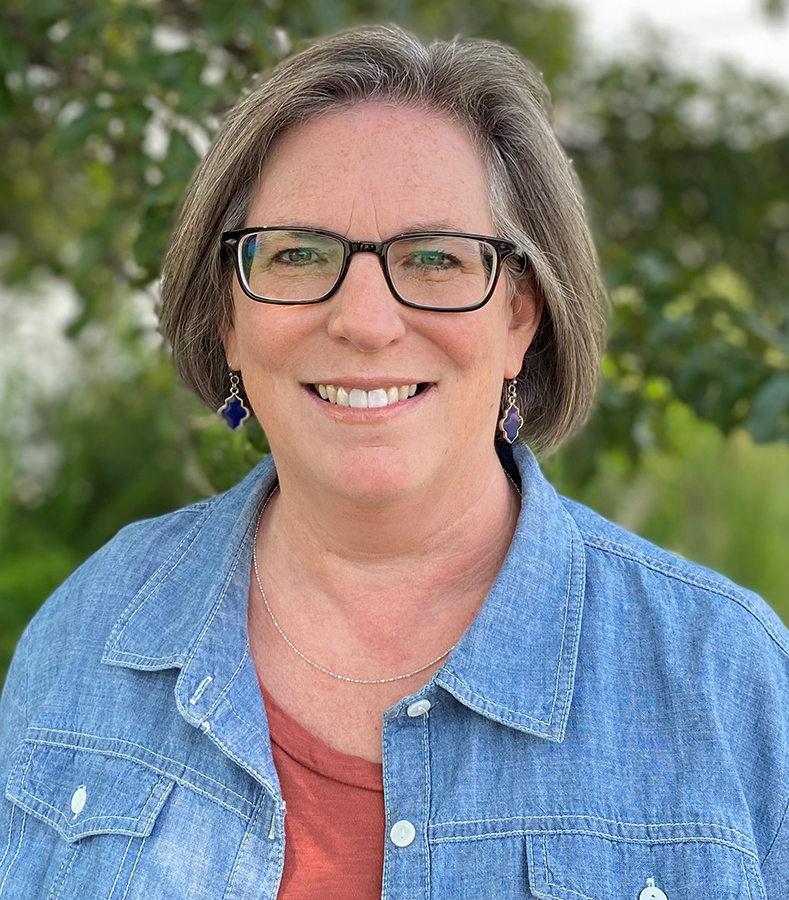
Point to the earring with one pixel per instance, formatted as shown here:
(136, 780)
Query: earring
(511, 422)
(233, 410)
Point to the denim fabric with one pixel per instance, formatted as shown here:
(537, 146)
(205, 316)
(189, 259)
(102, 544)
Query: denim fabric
(613, 724)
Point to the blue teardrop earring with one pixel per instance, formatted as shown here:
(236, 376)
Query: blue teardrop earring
(233, 410)
(511, 422)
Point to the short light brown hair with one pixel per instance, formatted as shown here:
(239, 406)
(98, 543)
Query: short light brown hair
(535, 198)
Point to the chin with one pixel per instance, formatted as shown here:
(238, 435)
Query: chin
(375, 474)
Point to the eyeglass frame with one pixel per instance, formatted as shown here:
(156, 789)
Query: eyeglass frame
(503, 247)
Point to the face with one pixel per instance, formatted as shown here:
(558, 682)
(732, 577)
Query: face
(370, 173)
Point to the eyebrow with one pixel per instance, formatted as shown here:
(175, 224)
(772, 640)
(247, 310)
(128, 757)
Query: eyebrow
(413, 226)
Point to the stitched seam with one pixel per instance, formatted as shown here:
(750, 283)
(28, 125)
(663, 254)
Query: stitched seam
(576, 625)
(242, 719)
(60, 817)
(242, 848)
(65, 875)
(8, 841)
(387, 809)
(229, 684)
(279, 859)
(37, 812)
(27, 793)
(134, 867)
(669, 571)
(591, 819)
(68, 856)
(554, 885)
(608, 837)
(24, 774)
(18, 846)
(120, 868)
(165, 793)
(180, 779)
(206, 628)
(745, 876)
(426, 808)
(758, 879)
(777, 832)
(243, 763)
(134, 758)
(515, 713)
(546, 876)
(530, 864)
(564, 630)
(153, 580)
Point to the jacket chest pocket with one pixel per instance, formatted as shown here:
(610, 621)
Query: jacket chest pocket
(605, 860)
(80, 821)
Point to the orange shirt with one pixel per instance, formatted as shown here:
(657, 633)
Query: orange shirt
(334, 821)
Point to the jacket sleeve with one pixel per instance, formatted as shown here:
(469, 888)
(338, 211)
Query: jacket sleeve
(775, 867)
(13, 709)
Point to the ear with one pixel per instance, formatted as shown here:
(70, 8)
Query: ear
(527, 309)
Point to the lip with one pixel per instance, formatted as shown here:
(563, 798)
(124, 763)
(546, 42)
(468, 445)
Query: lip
(365, 383)
(373, 415)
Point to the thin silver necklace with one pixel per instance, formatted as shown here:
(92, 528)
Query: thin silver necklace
(334, 674)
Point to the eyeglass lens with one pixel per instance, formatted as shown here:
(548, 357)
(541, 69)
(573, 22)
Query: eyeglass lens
(435, 271)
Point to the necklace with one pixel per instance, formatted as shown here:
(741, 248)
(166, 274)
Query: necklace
(334, 674)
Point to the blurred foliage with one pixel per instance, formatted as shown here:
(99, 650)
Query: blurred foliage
(775, 9)
(105, 109)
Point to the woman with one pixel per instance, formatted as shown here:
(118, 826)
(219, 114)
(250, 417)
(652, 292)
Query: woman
(253, 696)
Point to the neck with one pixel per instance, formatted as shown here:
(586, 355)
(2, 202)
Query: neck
(391, 582)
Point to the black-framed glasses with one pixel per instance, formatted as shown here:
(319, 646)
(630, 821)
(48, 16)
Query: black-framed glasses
(442, 271)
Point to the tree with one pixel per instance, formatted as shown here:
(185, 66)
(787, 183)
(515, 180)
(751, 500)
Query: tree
(105, 109)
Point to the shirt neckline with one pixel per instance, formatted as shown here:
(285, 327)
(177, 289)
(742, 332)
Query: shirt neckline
(311, 752)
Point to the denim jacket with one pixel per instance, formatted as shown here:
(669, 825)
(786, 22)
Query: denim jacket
(613, 725)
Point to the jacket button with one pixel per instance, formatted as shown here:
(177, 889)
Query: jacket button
(78, 799)
(651, 892)
(418, 708)
(402, 833)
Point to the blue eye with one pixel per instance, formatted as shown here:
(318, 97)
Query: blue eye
(433, 259)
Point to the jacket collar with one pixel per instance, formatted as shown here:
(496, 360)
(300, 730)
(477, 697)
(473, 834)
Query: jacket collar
(515, 664)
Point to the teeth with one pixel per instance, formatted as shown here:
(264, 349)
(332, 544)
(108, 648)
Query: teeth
(357, 399)
(377, 397)
(360, 399)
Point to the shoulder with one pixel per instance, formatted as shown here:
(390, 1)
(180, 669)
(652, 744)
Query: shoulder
(616, 554)
(123, 565)
(66, 635)
(193, 541)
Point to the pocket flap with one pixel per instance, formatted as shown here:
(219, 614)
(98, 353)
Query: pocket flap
(82, 791)
(636, 862)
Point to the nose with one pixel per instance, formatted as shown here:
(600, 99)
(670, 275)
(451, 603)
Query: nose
(365, 312)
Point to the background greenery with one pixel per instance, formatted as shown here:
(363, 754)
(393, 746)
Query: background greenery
(105, 109)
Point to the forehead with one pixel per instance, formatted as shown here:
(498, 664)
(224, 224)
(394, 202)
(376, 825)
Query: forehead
(374, 166)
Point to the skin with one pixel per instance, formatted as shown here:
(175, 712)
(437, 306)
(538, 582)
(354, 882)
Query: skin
(385, 536)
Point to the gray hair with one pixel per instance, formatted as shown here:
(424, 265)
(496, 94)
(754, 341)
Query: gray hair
(535, 198)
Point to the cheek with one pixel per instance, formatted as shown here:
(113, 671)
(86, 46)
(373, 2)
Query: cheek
(479, 348)
(267, 337)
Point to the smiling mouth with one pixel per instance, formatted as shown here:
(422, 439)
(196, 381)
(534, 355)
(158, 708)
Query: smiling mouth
(360, 399)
